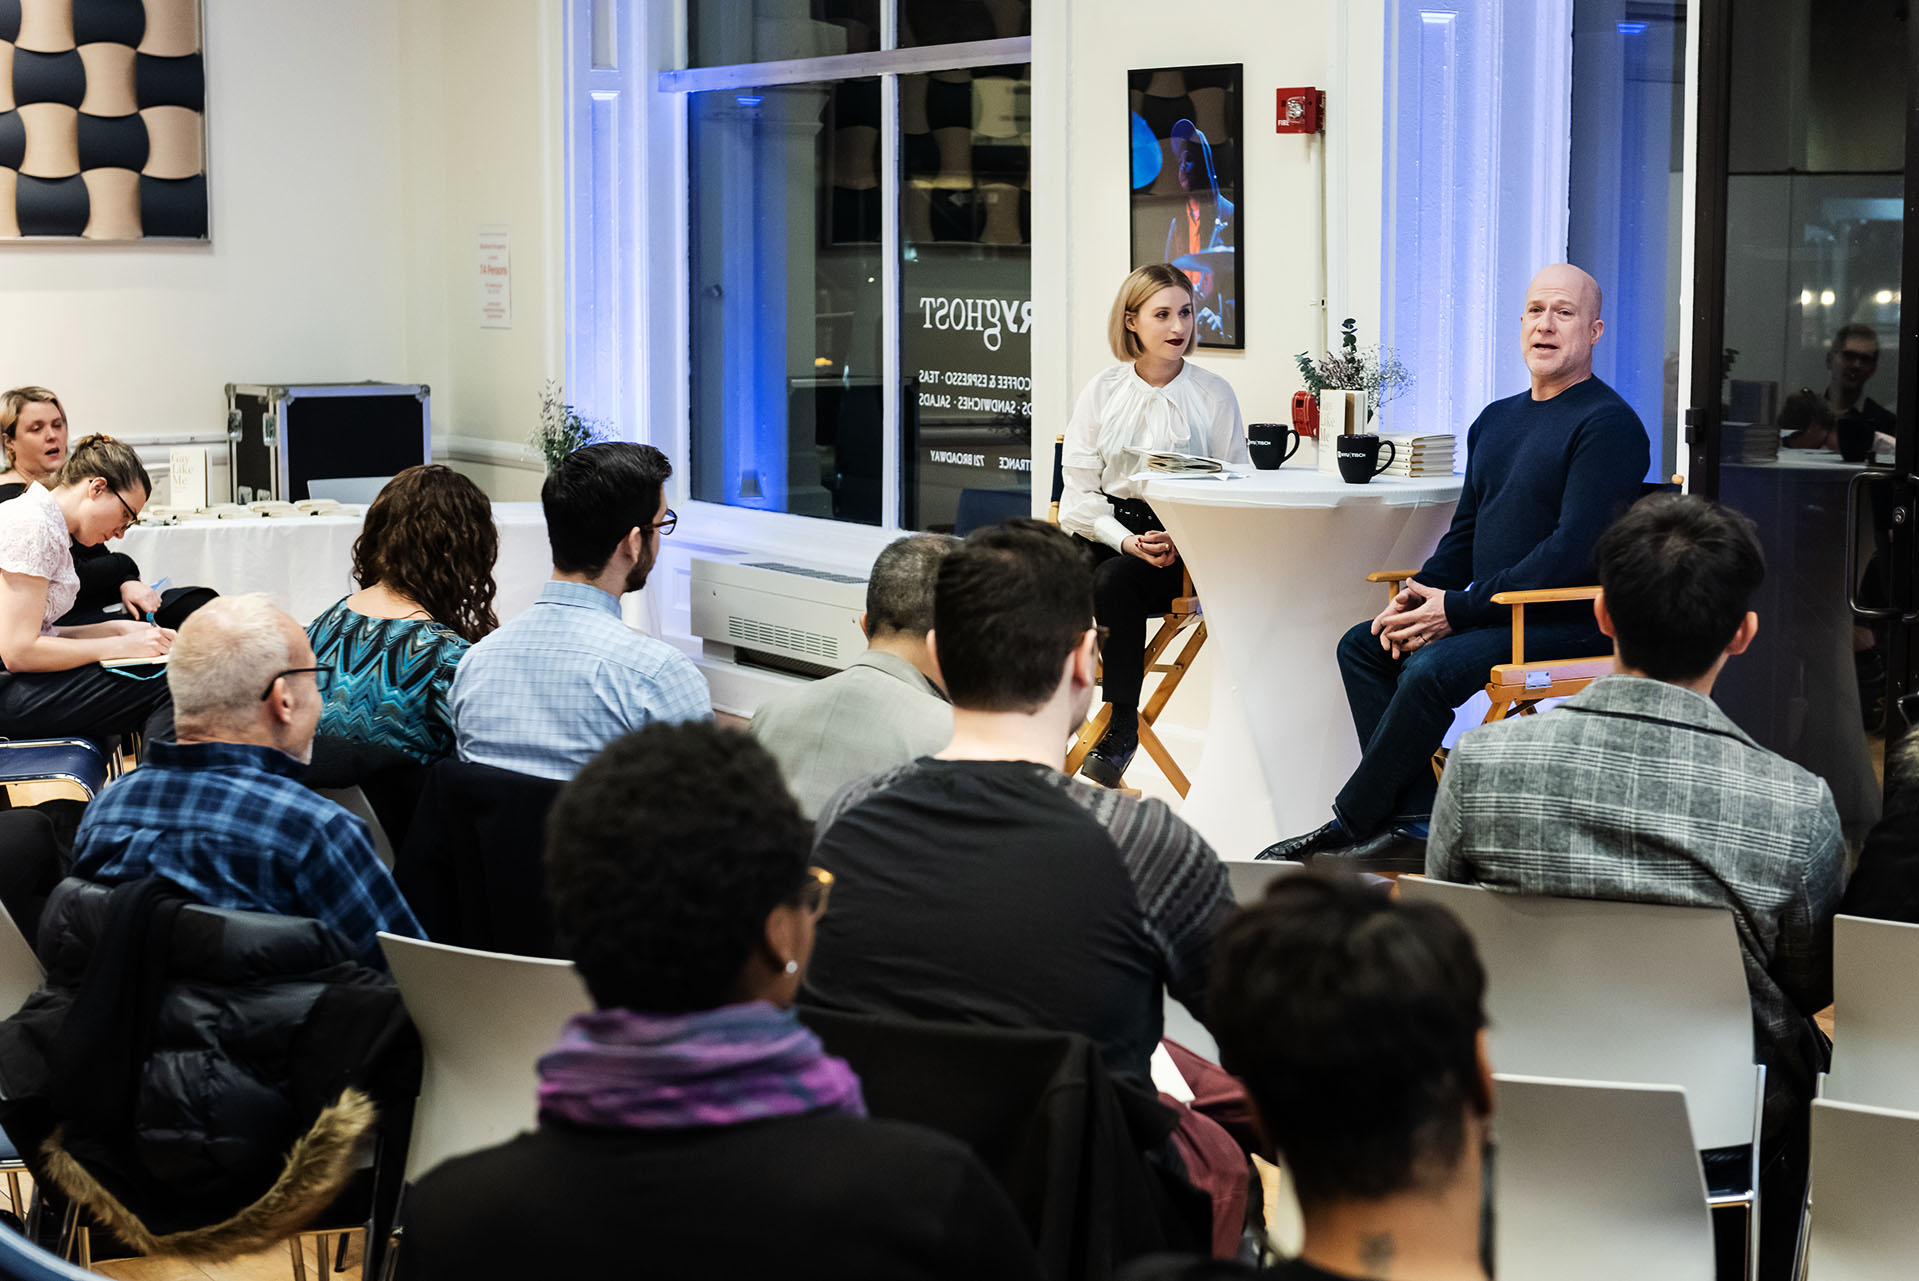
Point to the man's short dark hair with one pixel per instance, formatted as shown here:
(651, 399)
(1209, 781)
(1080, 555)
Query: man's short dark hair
(1353, 1021)
(1013, 600)
(663, 857)
(1679, 572)
(1851, 330)
(899, 590)
(596, 496)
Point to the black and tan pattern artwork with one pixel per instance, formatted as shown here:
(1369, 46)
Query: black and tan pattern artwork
(102, 119)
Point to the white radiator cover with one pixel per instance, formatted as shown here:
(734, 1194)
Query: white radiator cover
(780, 608)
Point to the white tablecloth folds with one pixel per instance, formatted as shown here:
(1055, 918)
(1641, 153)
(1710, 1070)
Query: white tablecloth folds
(1280, 559)
(305, 563)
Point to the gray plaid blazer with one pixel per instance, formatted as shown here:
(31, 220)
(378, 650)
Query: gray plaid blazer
(1642, 791)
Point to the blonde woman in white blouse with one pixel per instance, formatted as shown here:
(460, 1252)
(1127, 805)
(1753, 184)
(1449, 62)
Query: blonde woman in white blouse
(53, 684)
(1152, 400)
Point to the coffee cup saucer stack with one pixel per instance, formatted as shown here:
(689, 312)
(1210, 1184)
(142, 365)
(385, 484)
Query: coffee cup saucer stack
(1416, 455)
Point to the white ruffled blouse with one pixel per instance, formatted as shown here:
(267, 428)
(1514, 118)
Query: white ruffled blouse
(1121, 418)
(34, 540)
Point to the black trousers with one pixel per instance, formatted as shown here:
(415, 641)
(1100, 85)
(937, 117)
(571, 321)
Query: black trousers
(1127, 593)
(85, 702)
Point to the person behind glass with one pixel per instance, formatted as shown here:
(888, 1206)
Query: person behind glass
(33, 431)
(1153, 400)
(424, 562)
(692, 1115)
(53, 683)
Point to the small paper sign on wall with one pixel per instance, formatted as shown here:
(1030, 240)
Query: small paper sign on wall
(496, 279)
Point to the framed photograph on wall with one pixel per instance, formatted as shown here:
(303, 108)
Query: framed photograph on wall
(1184, 123)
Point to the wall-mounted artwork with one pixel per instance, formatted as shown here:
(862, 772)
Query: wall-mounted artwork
(1184, 123)
(102, 120)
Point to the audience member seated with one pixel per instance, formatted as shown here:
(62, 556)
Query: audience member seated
(1358, 1025)
(33, 431)
(222, 813)
(692, 1121)
(547, 691)
(884, 710)
(985, 885)
(1639, 788)
(1546, 471)
(53, 684)
(424, 562)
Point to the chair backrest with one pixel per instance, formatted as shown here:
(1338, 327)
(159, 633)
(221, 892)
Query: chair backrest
(1249, 878)
(1596, 1180)
(22, 1260)
(1875, 1056)
(20, 970)
(1865, 1165)
(1603, 991)
(484, 1019)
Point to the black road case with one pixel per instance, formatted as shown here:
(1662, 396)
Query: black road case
(281, 436)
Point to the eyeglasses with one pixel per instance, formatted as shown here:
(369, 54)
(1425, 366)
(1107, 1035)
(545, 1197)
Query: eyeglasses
(666, 526)
(322, 679)
(132, 515)
(815, 890)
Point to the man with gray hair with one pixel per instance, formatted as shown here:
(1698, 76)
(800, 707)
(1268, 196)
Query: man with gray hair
(222, 813)
(887, 708)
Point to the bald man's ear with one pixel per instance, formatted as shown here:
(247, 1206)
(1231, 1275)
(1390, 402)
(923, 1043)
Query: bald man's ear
(1599, 327)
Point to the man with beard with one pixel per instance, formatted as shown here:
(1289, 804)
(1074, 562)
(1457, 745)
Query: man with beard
(543, 694)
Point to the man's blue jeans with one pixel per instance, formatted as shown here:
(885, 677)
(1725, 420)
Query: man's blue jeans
(1402, 708)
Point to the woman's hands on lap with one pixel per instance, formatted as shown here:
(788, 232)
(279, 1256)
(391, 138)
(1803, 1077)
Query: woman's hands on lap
(1155, 547)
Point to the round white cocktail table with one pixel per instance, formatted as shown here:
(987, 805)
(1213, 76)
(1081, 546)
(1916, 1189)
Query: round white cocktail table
(1279, 559)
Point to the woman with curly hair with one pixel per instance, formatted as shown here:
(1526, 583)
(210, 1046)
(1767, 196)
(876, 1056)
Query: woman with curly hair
(424, 562)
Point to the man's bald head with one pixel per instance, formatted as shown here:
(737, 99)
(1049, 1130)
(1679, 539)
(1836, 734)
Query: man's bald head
(1559, 327)
(231, 648)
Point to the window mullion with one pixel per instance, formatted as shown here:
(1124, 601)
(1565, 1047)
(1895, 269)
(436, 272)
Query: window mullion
(889, 24)
(891, 388)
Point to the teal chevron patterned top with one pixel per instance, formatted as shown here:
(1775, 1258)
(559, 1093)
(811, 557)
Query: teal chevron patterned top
(390, 680)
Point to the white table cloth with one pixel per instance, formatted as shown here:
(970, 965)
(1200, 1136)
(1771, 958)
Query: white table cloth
(1280, 560)
(305, 563)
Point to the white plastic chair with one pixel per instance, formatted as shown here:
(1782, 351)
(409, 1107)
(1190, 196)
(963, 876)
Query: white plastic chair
(1875, 1056)
(484, 1019)
(1584, 989)
(1865, 1175)
(1596, 1180)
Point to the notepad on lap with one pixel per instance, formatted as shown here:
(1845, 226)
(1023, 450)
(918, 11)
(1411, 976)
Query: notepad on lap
(158, 661)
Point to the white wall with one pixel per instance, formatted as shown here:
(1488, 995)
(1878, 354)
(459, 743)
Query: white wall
(1294, 253)
(303, 278)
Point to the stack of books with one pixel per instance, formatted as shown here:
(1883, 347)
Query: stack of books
(1179, 464)
(1418, 455)
(1749, 442)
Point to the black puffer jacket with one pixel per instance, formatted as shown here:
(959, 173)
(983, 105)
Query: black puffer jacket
(201, 1079)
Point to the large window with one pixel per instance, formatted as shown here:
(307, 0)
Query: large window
(859, 276)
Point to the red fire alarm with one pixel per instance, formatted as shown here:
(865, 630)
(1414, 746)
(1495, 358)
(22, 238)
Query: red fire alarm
(1301, 111)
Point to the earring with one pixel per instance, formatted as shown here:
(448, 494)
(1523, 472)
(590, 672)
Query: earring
(792, 967)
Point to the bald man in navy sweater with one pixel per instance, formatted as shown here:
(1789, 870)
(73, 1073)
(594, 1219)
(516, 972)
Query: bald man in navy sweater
(1546, 471)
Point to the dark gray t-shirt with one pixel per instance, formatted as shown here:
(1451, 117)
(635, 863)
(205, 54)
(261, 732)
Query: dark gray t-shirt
(1007, 893)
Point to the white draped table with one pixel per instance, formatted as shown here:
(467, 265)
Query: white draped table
(1279, 559)
(305, 563)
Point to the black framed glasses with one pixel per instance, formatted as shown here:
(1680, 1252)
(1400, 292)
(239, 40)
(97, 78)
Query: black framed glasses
(322, 679)
(132, 515)
(665, 525)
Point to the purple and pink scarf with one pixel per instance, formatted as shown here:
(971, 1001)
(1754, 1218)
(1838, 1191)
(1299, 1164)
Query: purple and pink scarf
(618, 1069)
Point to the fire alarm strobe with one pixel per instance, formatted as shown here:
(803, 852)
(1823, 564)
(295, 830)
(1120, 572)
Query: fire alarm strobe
(1301, 111)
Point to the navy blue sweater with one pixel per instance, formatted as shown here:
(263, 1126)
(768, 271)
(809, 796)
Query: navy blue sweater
(1543, 478)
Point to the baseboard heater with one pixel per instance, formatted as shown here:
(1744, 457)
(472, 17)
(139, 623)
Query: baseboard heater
(794, 618)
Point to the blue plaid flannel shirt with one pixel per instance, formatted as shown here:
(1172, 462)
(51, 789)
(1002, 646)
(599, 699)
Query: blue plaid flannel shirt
(543, 694)
(233, 825)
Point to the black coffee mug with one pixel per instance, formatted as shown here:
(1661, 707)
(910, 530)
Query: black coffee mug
(1359, 457)
(1266, 442)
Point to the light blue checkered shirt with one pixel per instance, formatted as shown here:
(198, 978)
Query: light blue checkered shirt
(543, 694)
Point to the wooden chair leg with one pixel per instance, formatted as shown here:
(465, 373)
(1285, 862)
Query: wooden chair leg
(1149, 740)
(1089, 735)
(1169, 682)
(1439, 763)
(297, 1244)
